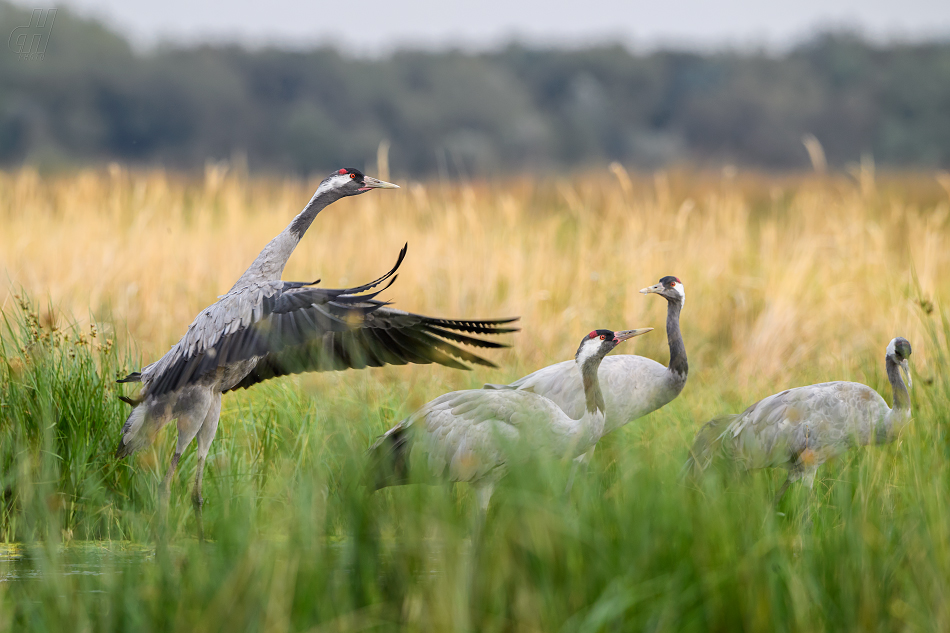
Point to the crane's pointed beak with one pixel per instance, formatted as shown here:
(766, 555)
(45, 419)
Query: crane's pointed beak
(373, 183)
(654, 288)
(622, 336)
(905, 369)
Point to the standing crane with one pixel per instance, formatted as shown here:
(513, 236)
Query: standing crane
(463, 435)
(633, 385)
(802, 428)
(264, 327)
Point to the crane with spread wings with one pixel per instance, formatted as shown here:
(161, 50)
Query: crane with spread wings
(264, 327)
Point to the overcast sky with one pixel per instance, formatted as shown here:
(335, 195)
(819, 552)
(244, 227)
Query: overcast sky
(375, 26)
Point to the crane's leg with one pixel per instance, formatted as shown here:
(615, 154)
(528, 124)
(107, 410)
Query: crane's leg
(781, 491)
(808, 479)
(579, 461)
(205, 436)
(166, 486)
(187, 429)
(190, 410)
(483, 492)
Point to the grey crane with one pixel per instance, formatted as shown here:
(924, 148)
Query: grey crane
(463, 435)
(800, 429)
(264, 327)
(633, 385)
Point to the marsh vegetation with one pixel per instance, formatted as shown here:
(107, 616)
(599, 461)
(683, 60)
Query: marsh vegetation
(792, 280)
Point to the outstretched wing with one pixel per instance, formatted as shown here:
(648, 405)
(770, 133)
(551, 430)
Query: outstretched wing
(383, 336)
(258, 318)
(290, 327)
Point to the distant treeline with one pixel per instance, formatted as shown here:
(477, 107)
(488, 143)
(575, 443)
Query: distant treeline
(92, 99)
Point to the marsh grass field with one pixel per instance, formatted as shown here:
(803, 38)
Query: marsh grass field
(790, 280)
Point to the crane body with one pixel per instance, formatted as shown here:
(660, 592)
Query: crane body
(633, 386)
(802, 428)
(468, 436)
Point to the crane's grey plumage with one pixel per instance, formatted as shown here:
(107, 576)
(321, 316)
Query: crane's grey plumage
(800, 429)
(463, 435)
(264, 327)
(633, 386)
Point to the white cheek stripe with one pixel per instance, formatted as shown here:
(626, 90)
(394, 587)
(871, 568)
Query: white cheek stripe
(892, 347)
(681, 289)
(332, 183)
(588, 349)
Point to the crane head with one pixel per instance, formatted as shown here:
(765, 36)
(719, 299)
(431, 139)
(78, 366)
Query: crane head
(598, 343)
(669, 287)
(899, 350)
(349, 181)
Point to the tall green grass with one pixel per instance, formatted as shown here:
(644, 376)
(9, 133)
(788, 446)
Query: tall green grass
(57, 398)
(296, 545)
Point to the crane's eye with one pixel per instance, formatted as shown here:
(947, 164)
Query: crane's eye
(672, 284)
(353, 176)
(602, 337)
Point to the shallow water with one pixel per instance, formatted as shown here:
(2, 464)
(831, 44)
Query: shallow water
(19, 562)
(22, 563)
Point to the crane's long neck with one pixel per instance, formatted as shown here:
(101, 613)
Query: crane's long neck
(901, 397)
(900, 412)
(592, 392)
(589, 428)
(269, 265)
(678, 362)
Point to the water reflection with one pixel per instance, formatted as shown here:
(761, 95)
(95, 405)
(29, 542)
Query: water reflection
(19, 562)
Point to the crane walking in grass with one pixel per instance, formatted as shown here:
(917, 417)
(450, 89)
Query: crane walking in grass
(264, 327)
(802, 428)
(633, 386)
(468, 435)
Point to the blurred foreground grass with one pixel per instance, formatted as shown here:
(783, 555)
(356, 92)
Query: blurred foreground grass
(789, 281)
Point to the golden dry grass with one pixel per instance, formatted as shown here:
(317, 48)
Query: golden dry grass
(783, 274)
(790, 280)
